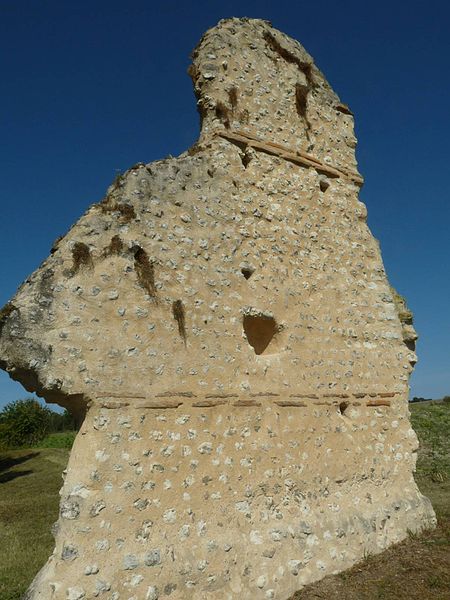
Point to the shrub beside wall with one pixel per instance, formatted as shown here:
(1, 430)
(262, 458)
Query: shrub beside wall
(24, 423)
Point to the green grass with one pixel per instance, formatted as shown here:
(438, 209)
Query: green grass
(62, 439)
(432, 422)
(29, 484)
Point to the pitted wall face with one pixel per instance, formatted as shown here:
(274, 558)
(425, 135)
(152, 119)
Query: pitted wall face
(225, 319)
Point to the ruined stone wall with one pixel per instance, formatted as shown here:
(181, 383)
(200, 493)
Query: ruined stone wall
(226, 321)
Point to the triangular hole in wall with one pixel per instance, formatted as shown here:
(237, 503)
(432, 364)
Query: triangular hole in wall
(247, 272)
(259, 331)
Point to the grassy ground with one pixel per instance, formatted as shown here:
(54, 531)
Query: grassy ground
(416, 569)
(64, 439)
(29, 484)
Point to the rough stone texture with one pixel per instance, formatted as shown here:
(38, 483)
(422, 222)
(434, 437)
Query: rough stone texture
(226, 321)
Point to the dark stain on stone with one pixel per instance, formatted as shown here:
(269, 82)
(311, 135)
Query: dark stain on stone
(145, 271)
(179, 316)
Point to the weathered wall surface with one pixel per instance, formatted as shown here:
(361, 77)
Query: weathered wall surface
(226, 318)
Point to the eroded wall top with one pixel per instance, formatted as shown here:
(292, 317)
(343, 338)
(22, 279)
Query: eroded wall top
(249, 76)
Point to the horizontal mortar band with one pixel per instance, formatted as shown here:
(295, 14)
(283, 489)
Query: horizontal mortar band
(175, 399)
(296, 156)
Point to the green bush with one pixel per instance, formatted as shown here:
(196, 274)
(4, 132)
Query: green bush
(23, 423)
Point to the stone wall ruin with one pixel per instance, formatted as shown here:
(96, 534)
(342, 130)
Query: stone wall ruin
(223, 323)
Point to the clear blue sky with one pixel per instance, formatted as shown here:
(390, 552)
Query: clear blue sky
(90, 88)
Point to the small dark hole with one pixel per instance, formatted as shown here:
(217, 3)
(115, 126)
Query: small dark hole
(247, 272)
(411, 345)
(343, 108)
(324, 185)
(246, 159)
(343, 407)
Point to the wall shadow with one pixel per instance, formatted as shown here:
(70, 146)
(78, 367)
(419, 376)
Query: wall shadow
(10, 475)
(8, 462)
